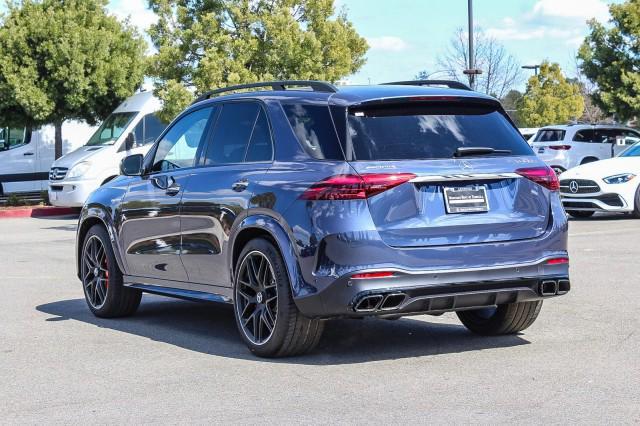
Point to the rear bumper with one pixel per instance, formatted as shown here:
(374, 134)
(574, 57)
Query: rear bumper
(418, 292)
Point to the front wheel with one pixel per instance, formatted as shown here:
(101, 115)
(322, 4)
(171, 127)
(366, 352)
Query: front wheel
(579, 214)
(503, 319)
(266, 315)
(101, 277)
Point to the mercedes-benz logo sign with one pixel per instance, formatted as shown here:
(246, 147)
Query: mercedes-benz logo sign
(574, 187)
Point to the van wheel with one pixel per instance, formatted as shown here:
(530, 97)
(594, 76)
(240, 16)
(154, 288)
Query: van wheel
(266, 315)
(503, 319)
(101, 277)
(578, 214)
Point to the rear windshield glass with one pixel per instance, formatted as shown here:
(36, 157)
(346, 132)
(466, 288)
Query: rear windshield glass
(549, 135)
(428, 132)
(314, 129)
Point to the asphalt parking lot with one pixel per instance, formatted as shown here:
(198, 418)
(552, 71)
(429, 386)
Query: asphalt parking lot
(183, 362)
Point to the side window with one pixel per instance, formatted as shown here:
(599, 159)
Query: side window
(233, 130)
(152, 129)
(587, 135)
(260, 147)
(631, 137)
(314, 129)
(178, 147)
(138, 132)
(12, 137)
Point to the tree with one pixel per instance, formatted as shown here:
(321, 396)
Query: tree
(500, 70)
(610, 57)
(65, 59)
(510, 103)
(549, 99)
(203, 45)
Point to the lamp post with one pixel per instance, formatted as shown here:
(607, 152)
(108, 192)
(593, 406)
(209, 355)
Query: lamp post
(531, 67)
(471, 71)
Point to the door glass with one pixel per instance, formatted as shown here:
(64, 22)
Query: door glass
(232, 133)
(17, 136)
(152, 129)
(260, 145)
(178, 147)
(587, 135)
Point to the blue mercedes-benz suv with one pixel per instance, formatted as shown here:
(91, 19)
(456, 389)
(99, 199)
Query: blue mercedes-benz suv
(298, 202)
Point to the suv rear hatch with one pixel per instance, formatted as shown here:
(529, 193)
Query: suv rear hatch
(433, 189)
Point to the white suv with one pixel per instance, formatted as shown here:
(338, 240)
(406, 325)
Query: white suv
(565, 147)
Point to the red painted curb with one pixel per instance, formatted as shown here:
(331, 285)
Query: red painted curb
(37, 212)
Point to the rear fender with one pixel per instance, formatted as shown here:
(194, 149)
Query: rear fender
(282, 239)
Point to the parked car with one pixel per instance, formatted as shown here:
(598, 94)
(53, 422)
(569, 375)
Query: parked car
(131, 128)
(565, 147)
(26, 154)
(528, 132)
(609, 185)
(307, 202)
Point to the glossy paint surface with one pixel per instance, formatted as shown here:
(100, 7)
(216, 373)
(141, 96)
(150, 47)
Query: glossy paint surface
(188, 240)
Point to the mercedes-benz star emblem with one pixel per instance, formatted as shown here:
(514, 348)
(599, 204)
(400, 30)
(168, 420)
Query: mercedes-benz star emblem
(574, 187)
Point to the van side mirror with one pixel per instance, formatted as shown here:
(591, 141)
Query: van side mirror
(132, 165)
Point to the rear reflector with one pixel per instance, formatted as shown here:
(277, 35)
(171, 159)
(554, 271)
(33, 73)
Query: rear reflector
(370, 275)
(558, 261)
(544, 176)
(560, 147)
(354, 187)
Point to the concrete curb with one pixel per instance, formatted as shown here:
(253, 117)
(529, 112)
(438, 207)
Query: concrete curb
(37, 211)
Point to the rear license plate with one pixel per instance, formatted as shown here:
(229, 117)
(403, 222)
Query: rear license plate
(466, 199)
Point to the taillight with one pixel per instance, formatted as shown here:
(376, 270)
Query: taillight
(544, 176)
(560, 147)
(370, 275)
(354, 187)
(558, 261)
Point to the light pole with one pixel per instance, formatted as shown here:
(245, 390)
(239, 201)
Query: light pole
(471, 71)
(531, 67)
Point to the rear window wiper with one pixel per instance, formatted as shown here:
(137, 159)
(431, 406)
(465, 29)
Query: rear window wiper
(478, 150)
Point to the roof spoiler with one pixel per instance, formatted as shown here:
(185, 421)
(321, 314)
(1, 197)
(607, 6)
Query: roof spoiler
(316, 86)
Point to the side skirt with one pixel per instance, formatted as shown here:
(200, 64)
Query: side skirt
(180, 290)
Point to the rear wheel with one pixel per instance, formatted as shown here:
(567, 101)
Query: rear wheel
(580, 214)
(636, 204)
(102, 279)
(503, 319)
(267, 317)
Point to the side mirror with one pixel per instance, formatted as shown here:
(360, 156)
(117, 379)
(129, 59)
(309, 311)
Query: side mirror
(132, 165)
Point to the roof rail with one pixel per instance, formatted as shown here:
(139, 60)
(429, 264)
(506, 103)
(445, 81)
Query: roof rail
(451, 84)
(316, 86)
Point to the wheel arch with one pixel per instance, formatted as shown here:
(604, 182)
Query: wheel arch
(269, 228)
(96, 215)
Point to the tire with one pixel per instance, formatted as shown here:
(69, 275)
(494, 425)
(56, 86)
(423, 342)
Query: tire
(104, 291)
(291, 333)
(505, 319)
(578, 214)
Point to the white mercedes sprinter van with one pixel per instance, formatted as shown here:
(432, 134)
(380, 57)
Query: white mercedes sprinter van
(129, 129)
(26, 154)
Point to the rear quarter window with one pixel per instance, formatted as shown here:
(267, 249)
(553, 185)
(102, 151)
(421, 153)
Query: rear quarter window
(434, 131)
(550, 135)
(314, 129)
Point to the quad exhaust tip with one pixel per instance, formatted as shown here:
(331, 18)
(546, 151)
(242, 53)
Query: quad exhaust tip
(554, 288)
(380, 302)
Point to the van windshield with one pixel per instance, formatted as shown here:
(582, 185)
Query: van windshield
(111, 129)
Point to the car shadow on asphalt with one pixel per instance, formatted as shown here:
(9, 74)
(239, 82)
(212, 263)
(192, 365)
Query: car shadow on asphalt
(211, 329)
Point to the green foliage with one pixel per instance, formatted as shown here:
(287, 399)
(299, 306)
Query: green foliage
(14, 200)
(549, 99)
(610, 57)
(203, 45)
(66, 59)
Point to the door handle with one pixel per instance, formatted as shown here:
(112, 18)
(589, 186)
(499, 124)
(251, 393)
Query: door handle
(26, 154)
(240, 185)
